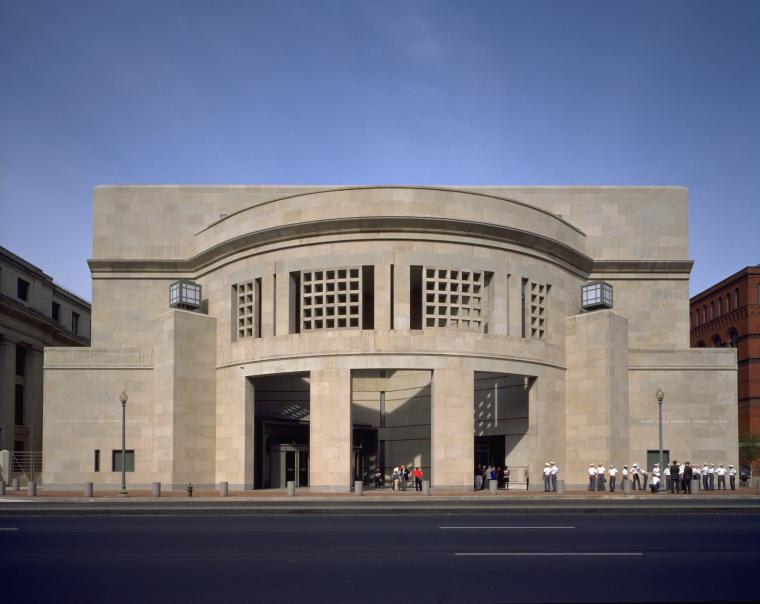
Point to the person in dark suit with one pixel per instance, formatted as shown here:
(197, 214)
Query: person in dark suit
(687, 475)
(674, 482)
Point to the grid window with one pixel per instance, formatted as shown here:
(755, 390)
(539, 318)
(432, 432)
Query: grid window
(75, 323)
(331, 298)
(537, 306)
(245, 309)
(56, 312)
(454, 298)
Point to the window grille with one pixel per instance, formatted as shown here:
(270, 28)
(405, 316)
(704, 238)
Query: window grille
(245, 302)
(331, 298)
(454, 298)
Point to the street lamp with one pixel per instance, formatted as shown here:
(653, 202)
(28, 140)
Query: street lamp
(661, 395)
(123, 399)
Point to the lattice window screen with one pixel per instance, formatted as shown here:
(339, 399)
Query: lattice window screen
(537, 309)
(245, 300)
(331, 298)
(454, 298)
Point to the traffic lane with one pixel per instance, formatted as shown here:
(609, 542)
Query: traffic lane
(341, 558)
(421, 534)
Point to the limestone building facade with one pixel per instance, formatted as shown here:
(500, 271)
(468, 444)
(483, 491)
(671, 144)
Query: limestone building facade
(35, 312)
(341, 329)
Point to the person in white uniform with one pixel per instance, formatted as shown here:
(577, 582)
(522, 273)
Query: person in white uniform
(591, 477)
(613, 477)
(732, 477)
(721, 472)
(601, 471)
(547, 477)
(711, 476)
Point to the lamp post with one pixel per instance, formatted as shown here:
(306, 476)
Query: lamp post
(123, 399)
(660, 395)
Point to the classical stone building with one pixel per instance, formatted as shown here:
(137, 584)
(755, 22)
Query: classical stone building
(728, 315)
(338, 329)
(34, 312)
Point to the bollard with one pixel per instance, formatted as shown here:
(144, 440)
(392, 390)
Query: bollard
(358, 487)
(695, 483)
(757, 485)
(156, 491)
(627, 487)
(291, 488)
(15, 484)
(560, 487)
(31, 489)
(493, 487)
(2, 487)
(426, 487)
(224, 489)
(88, 489)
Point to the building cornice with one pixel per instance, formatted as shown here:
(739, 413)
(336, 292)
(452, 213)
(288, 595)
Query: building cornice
(29, 315)
(385, 224)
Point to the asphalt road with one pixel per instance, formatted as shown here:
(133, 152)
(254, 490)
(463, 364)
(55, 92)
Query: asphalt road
(556, 557)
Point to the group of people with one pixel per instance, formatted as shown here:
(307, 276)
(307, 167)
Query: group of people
(677, 477)
(400, 478)
(551, 471)
(485, 474)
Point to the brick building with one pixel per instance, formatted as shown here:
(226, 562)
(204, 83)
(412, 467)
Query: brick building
(728, 315)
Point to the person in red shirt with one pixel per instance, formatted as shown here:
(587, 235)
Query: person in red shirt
(417, 479)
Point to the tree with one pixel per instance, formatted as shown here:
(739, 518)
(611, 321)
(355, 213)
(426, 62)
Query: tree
(749, 448)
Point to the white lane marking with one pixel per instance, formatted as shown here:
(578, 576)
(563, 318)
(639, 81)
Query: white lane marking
(18, 501)
(548, 554)
(507, 527)
(2, 528)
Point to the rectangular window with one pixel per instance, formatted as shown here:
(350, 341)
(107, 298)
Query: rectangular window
(653, 457)
(368, 297)
(294, 303)
(20, 361)
(19, 410)
(728, 302)
(75, 323)
(415, 297)
(720, 306)
(391, 300)
(523, 316)
(97, 460)
(382, 409)
(22, 289)
(56, 312)
(129, 456)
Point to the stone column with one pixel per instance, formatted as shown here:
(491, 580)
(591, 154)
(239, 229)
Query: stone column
(282, 304)
(597, 392)
(498, 303)
(383, 296)
(330, 430)
(401, 308)
(267, 304)
(453, 440)
(514, 305)
(7, 394)
(33, 398)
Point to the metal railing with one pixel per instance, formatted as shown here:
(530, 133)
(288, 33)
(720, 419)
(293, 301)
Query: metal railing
(26, 466)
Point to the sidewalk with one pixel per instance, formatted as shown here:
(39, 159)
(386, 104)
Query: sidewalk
(382, 495)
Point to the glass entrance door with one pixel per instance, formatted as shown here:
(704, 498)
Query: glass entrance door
(290, 466)
(303, 468)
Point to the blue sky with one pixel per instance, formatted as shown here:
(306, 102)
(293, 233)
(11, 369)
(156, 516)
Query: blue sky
(373, 92)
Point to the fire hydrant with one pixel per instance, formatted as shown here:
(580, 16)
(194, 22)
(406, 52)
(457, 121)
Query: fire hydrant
(189, 489)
